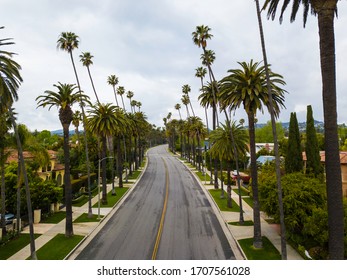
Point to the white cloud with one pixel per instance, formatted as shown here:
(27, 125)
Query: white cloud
(148, 45)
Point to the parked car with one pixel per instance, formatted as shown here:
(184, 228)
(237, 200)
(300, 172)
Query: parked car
(8, 218)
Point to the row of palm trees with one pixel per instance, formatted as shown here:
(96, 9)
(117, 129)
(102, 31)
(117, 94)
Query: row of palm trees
(244, 87)
(109, 123)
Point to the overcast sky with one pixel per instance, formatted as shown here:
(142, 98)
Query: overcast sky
(148, 45)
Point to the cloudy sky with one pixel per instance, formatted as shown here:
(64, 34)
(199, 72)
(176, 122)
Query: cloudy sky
(148, 45)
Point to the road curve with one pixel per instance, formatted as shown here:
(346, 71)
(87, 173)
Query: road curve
(167, 216)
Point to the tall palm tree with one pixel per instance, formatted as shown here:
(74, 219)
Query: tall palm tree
(64, 98)
(130, 95)
(113, 81)
(10, 80)
(86, 59)
(185, 101)
(247, 86)
(178, 108)
(68, 41)
(105, 122)
(325, 10)
(274, 134)
(223, 147)
(186, 90)
(133, 104)
(120, 92)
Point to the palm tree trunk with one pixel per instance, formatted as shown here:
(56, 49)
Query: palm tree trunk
(3, 193)
(67, 183)
(332, 158)
(84, 120)
(274, 133)
(236, 156)
(27, 190)
(103, 167)
(91, 80)
(229, 187)
(120, 163)
(257, 240)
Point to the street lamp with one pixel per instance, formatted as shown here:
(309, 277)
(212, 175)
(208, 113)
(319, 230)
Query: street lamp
(100, 160)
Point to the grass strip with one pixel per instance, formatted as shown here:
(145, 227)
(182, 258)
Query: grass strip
(222, 202)
(58, 247)
(84, 218)
(268, 252)
(112, 199)
(245, 223)
(55, 218)
(14, 245)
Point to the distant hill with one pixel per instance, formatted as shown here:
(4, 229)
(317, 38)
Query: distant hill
(60, 132)
(302, 125)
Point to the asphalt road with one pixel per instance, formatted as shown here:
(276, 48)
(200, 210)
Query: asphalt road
(167, 216)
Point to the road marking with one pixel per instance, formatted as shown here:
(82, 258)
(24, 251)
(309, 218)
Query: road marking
(161, 224)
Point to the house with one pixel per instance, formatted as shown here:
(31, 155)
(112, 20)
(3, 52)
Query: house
(343, 163)
(53, 171)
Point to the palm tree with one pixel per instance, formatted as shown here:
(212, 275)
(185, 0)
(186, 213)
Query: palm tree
(86, 59)
(223, 147)
(121, 91)
(186, 89)
(274, 133)
(138, 105)
(105, 121)
(113, 81)
(64, 98)
(10, 80)
(130, 95)
(247, 86)
(76, 118)
(178, 108)
(133, 104)
(326, 11)
(68, 41)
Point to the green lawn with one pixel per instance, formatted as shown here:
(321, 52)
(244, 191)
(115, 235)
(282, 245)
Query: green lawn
(245, 223)
(112, 199)
(244, 192)
(84, 218)
(202, 177)
(248, 200)
(55, 218)
(222, 202)
(58, 247)
(268, 252)
(15, 245)
(135, 175)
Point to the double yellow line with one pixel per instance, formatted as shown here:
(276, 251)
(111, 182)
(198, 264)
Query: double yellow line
(161, 224)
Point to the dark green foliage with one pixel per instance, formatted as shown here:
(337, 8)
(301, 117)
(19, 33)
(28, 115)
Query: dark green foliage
(305, 209)
(293, 160)
(313, 164)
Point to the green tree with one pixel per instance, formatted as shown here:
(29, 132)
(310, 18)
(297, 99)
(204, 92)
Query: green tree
(64, 98)
(10, 80)
(105, 120)
(313, 164)
(247, 86)
(223, 148)
(264, 134)
(325, 10)
(293, 160)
